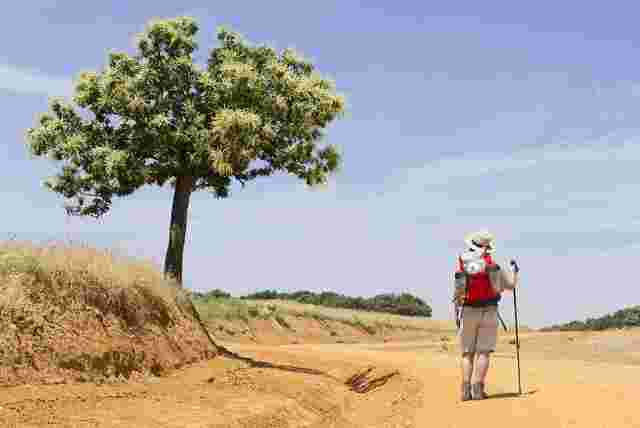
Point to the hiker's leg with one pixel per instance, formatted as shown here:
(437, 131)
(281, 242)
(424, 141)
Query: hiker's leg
(468, 341)
(487, 338)
(468, 334)
(481, 367)
(467, 366)
(477, 382)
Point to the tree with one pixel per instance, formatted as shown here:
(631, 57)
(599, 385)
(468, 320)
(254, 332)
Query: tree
(157, 117)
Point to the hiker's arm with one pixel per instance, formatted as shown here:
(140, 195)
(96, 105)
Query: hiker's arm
(509, 282)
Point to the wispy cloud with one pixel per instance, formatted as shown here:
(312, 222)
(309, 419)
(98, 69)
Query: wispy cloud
(571, 197)
(30, 81)
(477, 164)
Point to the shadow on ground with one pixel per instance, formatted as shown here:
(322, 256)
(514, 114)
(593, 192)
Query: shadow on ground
(511, 394)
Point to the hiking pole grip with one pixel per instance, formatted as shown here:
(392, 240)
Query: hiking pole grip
(515, 266)
(516, 269)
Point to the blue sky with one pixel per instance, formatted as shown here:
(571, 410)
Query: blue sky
(524, 119)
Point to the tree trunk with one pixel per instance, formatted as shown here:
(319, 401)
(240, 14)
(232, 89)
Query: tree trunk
(178, 229)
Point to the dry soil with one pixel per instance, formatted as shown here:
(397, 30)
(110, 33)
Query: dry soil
(569, 380)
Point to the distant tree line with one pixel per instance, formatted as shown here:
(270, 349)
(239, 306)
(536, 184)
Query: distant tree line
(212, 294)
(629, 317)
(399, 304)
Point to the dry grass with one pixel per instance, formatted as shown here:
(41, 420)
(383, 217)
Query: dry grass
(232, 309)
(240, 309)
(70, 312)
(364, 317)
(32, 277)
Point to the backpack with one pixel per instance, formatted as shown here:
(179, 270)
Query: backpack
(476, 280)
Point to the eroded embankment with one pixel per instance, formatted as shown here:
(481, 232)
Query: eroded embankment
(79, 314)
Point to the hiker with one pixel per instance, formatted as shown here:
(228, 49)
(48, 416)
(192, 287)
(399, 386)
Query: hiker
(479, 283)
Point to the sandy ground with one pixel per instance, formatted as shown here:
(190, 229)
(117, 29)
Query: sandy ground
(569, 380)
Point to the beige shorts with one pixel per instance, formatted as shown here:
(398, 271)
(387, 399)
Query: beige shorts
(479, 329)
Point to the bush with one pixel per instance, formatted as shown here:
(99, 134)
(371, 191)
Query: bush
(629, 317)
(213, 294)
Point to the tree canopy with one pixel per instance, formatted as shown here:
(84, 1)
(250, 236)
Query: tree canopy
(157, 117)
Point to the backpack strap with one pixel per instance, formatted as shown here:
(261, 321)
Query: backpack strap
(460, 280)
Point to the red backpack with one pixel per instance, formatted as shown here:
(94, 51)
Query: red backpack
(478, 285)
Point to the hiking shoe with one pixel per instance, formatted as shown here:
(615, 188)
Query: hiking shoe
(466, 392)
(477, 391)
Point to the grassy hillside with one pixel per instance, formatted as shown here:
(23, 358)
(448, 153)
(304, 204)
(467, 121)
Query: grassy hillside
(629, 317)
(219, 306)
(398, 304)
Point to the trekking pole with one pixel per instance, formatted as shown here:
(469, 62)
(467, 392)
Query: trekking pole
(502, 322)
(516, 269)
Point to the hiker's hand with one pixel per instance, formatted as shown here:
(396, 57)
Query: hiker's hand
(516, 279)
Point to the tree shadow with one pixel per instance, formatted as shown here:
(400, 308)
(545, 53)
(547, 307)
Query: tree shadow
(253, 363)
(360, 382)
(511, 394)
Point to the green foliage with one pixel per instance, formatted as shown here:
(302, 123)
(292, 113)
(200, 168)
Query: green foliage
(156, 115)
(629, 317)
(403, 304)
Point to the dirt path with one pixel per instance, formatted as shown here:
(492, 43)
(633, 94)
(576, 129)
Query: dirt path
(221, 393)
(558, 393)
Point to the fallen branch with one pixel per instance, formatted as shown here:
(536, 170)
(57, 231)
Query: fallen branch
(361, 383)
